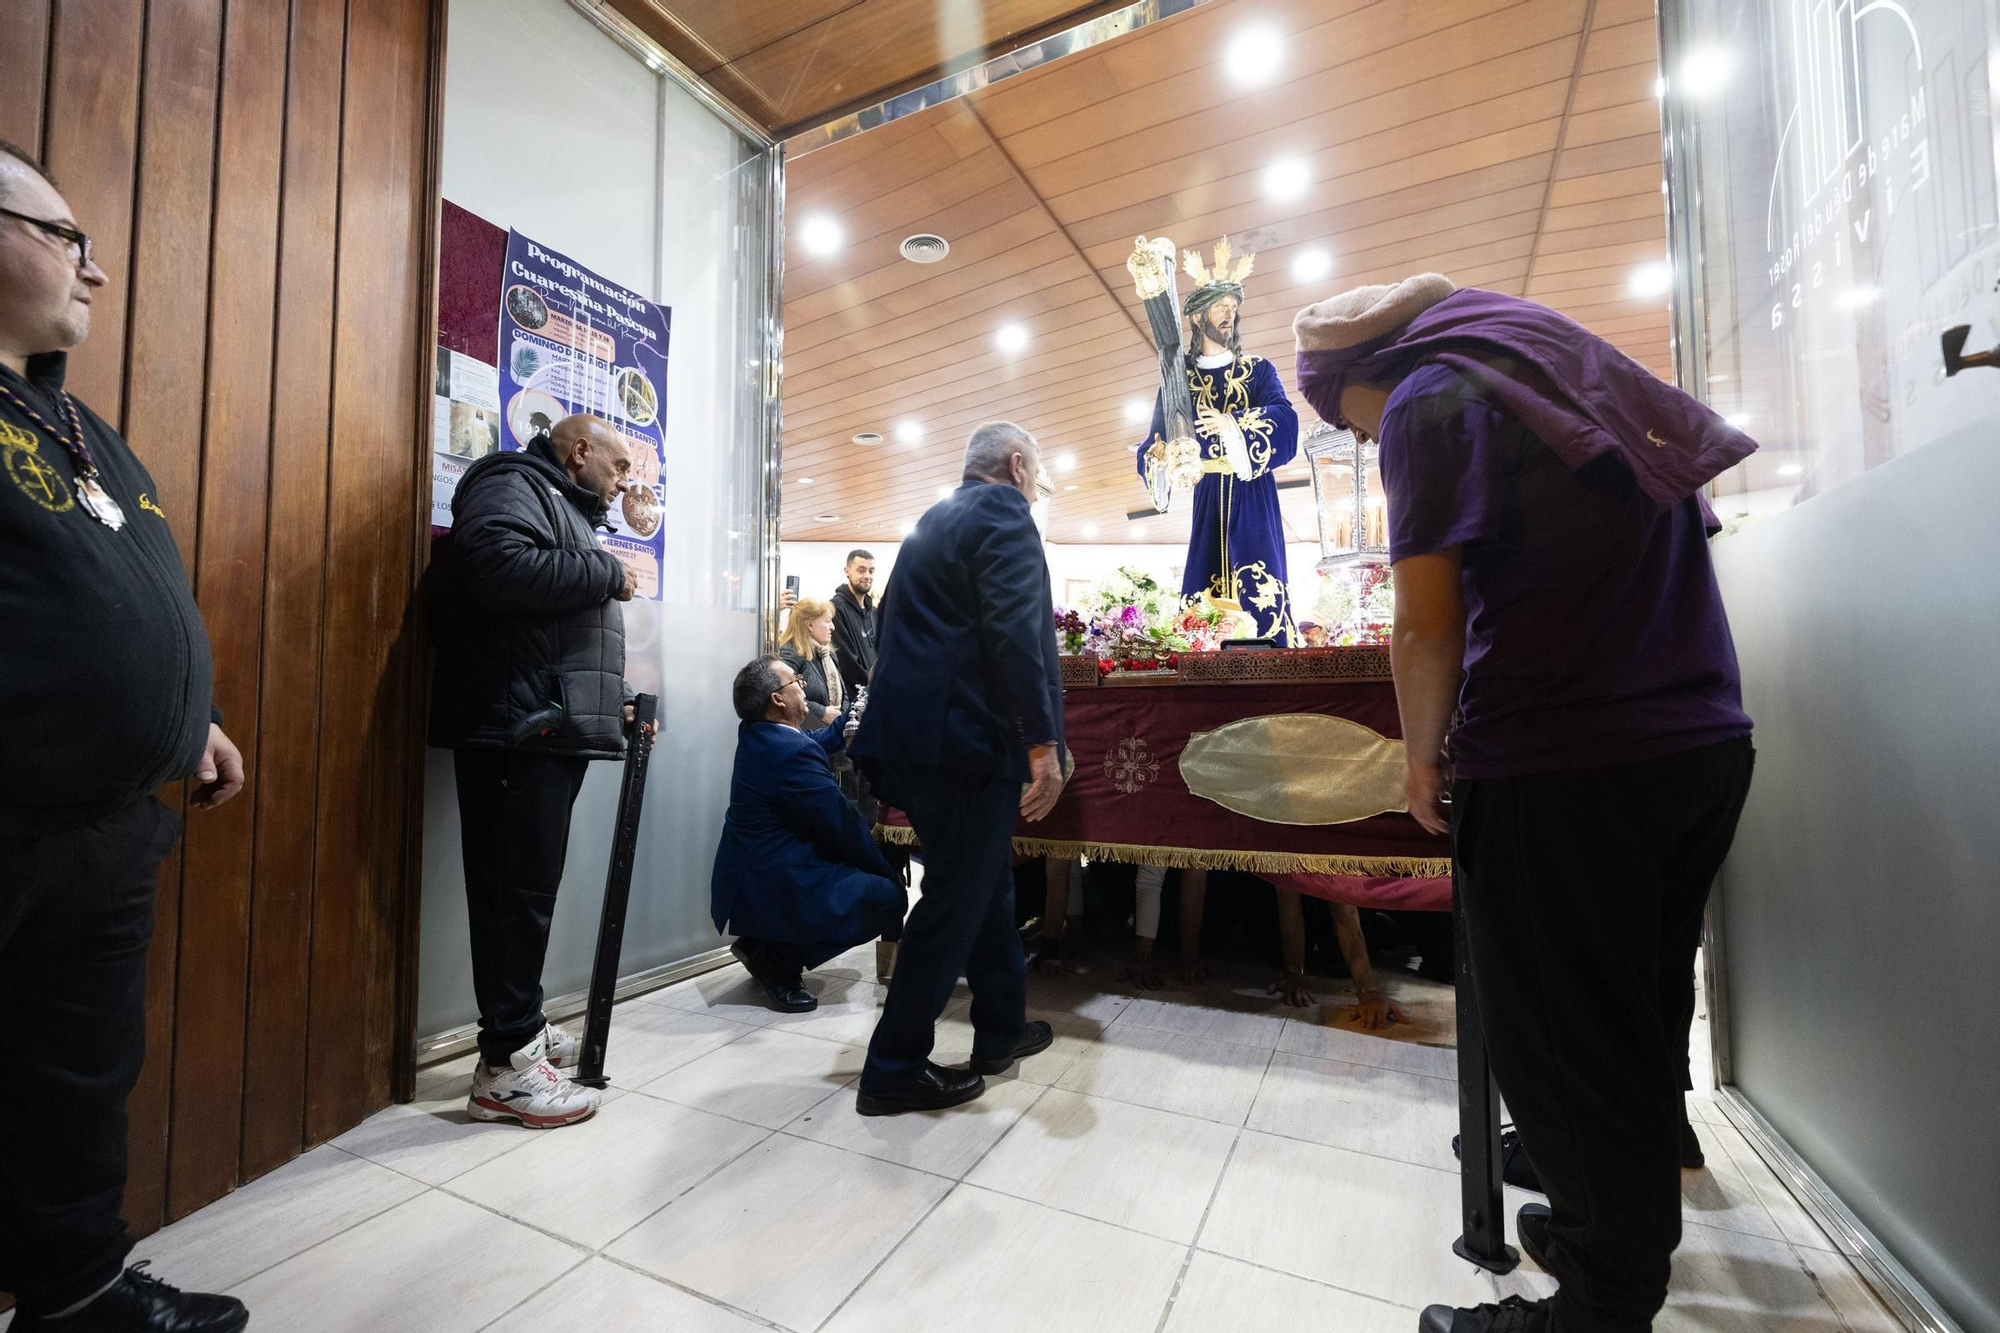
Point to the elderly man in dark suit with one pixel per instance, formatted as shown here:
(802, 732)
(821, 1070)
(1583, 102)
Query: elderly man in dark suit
(798, 876)
(965, 707)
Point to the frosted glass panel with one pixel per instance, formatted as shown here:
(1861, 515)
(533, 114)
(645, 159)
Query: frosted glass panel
(629, 174)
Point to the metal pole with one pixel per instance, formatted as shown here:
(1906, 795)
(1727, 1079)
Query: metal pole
(617, 893)
(1484, 1239)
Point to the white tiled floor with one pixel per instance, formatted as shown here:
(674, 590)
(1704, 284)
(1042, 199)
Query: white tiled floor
(1194, 1162)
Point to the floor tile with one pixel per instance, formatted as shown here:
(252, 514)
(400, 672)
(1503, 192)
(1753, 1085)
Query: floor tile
(434, 1080)
(1307, 1037)
(593, 1182)
(1727, 1282)
(648, 1040)
(945, 1143)
(1078, 996)
(767, 1078)
(1003, 1265)
(1216, 1080)
(848, 1011)
(273, 1218)
(1361, 1108)
(1132, 1166)
(435, 1263)
(1730, 1192)
(1221, 1018)
(433, 1140)
(1703, 1110)
(785, 1231)
(602, 1297)
(1794, 1223)
(1365, 1224)
(728, 992)
(1221, 1295)
(1860, 1310)
(1072, 1036)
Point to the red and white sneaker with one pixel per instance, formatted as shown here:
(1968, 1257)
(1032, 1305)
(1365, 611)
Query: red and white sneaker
(529, 1090)
(565, 1048)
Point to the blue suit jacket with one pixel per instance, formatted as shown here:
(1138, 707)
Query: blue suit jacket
(797, 863)
(966, 672)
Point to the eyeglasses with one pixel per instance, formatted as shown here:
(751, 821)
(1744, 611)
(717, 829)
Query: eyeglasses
(79, 243)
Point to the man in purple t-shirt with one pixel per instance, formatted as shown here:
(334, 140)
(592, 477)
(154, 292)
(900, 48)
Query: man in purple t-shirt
(1554, 592)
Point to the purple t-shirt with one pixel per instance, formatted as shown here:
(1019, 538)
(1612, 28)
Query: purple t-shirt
(1595, 633)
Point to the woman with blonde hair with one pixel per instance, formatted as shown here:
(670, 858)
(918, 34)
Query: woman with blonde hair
(807, 648)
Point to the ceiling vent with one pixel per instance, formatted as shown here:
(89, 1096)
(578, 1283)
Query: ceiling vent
(868, 437)
(925, 248)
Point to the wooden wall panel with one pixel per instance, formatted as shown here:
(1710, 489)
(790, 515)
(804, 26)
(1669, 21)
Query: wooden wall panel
(228, 578)
(367, 656)
(256, 176)
(274, 1083)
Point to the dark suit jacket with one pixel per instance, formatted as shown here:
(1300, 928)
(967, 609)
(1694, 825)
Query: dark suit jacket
(796, 863)
(966, 673)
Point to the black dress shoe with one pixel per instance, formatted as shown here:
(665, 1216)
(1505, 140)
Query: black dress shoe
(140, 1303)
(1691, 1155)
(788, 995)
(1036, 1037)
(931, 1088)
(1513, 1315)
(1532, 1224)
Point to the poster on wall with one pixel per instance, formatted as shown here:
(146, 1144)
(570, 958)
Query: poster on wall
(465, 425)
(571, 341)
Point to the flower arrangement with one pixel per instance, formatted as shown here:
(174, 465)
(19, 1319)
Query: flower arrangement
(1371, 601)
(1130, 622)
(1070, 631)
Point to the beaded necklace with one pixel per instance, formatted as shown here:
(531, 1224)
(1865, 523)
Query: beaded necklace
(90, 492)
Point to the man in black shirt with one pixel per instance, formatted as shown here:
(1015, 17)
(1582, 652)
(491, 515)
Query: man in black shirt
(854, 622)
(105, 688)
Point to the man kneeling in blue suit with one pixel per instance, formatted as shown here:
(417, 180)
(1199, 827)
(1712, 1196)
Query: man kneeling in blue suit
(798, 877)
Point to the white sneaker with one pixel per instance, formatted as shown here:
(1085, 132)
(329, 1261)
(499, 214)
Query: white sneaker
(565, 1048)
(529, 1090)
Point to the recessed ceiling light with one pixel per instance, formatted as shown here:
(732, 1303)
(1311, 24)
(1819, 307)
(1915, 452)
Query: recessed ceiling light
(803, 481)
(1287, 179)
(908, 527)
(1137, 531)
(826, 518)
(1138, 410)
(909, 432)
(1655, 279)
(820, 234)
(868, 438)
(1070, 487)
(1066, 462)
(1011, 337)
(1660, 87)
(1311, 265)
(1703, 71)
(1089, 529)
(1856, 297)
(944, 492)
(1790, 470)
(1254, 55)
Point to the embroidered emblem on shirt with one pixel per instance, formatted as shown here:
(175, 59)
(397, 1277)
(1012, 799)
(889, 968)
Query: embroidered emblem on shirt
(32, 473)
(1655, 440)
(146, 503)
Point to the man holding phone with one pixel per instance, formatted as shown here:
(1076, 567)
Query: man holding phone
(854, 621)
(954, 749)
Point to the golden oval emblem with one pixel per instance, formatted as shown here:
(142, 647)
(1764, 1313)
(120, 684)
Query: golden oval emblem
(1296, 768)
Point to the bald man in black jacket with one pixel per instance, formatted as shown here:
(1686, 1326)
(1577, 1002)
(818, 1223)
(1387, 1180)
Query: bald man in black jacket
(964, 708)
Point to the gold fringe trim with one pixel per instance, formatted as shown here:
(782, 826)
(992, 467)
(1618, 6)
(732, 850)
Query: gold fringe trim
(1191, 858)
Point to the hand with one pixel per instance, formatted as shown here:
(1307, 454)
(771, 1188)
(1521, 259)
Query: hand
(1376, 1011)
(221, 771)
(630, 586)
(1292, 989)
(630, 713)
(831, 714)
(1192, 972)
(1046, 785)
(1426, 787)
(787, 600)
(1049, 960)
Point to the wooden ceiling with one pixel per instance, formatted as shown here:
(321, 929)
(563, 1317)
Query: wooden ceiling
(794, 64)
(1510, 144)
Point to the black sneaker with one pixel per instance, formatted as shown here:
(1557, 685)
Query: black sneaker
(1532, 1225)
(1513, 1315)
(1515, 1168)
(140, 1303)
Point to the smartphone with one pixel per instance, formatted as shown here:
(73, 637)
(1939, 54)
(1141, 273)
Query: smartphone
(792, 584)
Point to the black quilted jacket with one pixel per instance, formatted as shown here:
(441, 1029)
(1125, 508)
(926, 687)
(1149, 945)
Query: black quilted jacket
(524, 615)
